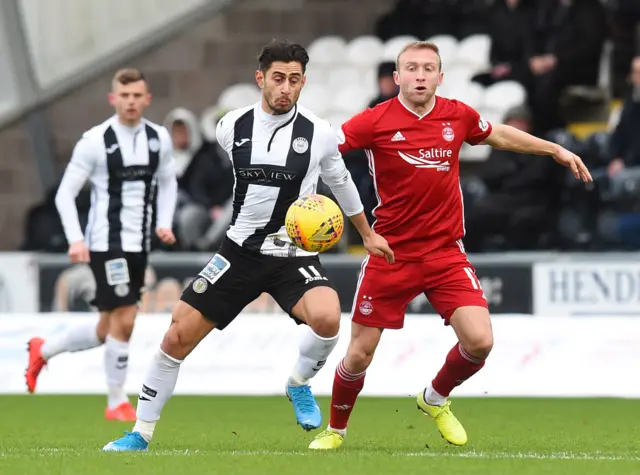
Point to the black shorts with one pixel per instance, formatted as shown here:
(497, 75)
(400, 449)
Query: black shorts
(119, 278)
(235, 277)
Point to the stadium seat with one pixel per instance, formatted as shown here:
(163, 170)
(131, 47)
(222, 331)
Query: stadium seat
(344, 76)
(209, 121)
(471, 94)
(328, 50)
(336, 119)
(393, 46)
(365, 51)
(504, 95)
(351, 99)
(448, 46)
(473, 52)
(316, 97)
(239, 95)
(455, 79)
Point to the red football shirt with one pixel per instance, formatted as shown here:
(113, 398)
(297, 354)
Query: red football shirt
(415, 167)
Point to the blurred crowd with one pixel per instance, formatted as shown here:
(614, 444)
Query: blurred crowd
(512, 202)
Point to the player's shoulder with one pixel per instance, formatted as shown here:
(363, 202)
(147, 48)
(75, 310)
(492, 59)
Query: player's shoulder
(321, 126)
(228, 120)
(161, 130)
(445, 105)
(383, 111)
(97, 131)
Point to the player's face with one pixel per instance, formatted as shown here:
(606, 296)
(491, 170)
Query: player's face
(418, 75)
(281, 85)
(130, 100)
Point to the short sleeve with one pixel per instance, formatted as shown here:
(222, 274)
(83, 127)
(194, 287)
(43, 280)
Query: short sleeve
(224, 133)
(478, 129)
(357, 132)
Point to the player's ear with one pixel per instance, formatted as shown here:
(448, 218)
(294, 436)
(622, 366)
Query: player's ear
(112, 98)
(440, 78)
(260, 79)
(148, 99)
(396, 78)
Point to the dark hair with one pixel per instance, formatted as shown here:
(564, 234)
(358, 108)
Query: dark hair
(282, 50)
(128, 76)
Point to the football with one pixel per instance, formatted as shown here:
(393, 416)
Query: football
(314, 223)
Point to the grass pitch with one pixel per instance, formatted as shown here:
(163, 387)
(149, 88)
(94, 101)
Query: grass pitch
(258, 435)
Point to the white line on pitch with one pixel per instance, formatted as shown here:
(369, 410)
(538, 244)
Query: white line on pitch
(595, 456)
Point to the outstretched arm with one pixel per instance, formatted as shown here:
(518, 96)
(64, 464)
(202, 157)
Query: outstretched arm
(335, 174)
(506, 137)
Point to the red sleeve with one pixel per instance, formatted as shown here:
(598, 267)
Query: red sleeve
(357, 132)
(478, 129)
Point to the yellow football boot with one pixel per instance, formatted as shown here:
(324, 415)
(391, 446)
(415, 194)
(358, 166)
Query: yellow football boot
(326, 440)
(449, 427)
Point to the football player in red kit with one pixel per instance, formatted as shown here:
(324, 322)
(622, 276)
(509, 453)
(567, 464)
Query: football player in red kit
(413, 143)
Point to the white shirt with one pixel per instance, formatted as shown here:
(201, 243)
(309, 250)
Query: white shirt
(276, 159)
(124, 164)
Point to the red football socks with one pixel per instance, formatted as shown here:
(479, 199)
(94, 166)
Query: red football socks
(346, 387)
(458, 367)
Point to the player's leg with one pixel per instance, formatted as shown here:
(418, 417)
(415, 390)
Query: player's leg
(301, 288)
(458, 297)
(120, 296)
(81, 337)
(382, 295)
(221, 290)
(77, 338)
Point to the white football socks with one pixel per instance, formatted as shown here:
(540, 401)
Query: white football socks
(156, 391)
(314, 351)
(433, 398)
(79, 338)
(116, 360)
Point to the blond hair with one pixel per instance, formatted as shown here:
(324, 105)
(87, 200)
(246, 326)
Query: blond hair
(127, 76)
(418, 45)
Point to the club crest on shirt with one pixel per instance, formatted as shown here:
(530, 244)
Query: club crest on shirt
(300, 145)
(154, 145)
(448, 134)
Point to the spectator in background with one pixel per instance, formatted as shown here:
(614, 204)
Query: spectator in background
(205, 179)
(518, 192)
(510, 28)
(387, 87)
(625, 140)
(566, 49)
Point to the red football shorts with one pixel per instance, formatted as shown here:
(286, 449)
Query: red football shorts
(384, 290)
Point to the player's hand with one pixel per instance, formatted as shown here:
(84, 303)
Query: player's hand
(572, 161)
(376, 245)
(79, 252)
(166, 235)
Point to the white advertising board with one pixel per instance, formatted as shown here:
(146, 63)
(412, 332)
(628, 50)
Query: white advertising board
(19, 287)
(587, 288)
(533, 356)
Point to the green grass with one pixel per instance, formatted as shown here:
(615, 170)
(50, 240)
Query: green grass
(242, 435)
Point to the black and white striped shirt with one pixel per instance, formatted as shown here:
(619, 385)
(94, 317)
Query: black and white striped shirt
(124, 164)
(276, 159)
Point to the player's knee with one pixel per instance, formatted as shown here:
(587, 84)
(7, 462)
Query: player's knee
(359, 356)
(325, 322)
(480, 346)
(327, 326)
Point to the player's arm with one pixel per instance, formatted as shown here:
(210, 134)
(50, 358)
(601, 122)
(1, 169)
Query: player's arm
(357, 132)
(506, 137)
(82, 163)
(335, 174)
(167, 190)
